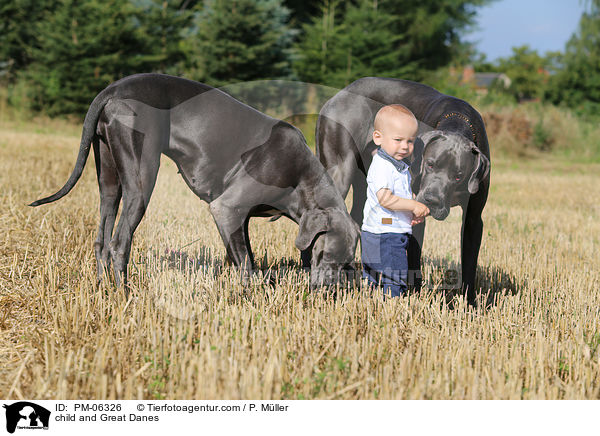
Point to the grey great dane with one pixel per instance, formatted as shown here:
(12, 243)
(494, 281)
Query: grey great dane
(242, 162)
(449, 167)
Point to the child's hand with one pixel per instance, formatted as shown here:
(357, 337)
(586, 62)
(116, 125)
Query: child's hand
(416, 221)
(420, 211)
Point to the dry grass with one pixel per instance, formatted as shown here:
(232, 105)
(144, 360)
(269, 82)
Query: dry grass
(190, 331)
(533, 129)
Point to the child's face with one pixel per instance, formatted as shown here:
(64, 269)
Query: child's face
(397, 135)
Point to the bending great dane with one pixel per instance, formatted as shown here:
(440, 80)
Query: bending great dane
(239, 160)
(449, 166)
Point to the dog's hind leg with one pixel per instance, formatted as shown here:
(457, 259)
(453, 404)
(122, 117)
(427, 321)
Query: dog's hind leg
(136, 152)
(137, 185)
(110, 197)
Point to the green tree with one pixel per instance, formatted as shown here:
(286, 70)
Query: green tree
(242, 40)
(577, 80)
(164, 25)
(418, 36)
(301, 11)
(85, 45)
(528, 72)
(18, 33)
(432, 29)
(336, 51)
(314, 50)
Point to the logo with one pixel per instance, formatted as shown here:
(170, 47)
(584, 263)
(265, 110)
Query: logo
(26, 415)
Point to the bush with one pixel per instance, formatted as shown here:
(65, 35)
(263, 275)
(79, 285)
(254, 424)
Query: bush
(532, 129)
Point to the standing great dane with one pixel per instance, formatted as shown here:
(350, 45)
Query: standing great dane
(239, 160)
(449, 166)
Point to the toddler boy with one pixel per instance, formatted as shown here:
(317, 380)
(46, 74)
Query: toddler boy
(390, 210)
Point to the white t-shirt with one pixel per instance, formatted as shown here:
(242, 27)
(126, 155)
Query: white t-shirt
(383, 174)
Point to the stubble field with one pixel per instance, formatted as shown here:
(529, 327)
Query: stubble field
(189, 330)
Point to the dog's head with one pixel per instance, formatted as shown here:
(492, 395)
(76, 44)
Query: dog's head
(448, 165)
(333, 236)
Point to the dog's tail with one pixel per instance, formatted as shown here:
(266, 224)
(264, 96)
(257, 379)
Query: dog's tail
(87, 136)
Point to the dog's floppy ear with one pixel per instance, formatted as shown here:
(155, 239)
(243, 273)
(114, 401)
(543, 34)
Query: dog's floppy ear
(480, 170)
(311, 224)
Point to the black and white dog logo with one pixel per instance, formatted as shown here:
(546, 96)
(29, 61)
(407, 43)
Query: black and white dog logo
(26, 415)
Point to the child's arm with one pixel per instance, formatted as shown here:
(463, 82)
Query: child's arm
(393, 202)
(416, 221)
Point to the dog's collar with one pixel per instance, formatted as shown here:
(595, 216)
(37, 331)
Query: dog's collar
(462, 117)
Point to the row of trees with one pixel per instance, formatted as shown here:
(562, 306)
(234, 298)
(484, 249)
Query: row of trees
(57, 54)
(62, 52)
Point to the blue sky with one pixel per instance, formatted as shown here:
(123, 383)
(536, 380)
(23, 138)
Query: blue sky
(546, 25)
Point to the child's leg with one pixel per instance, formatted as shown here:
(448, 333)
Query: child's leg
(394, 272)
(384, 261)
(370, 256)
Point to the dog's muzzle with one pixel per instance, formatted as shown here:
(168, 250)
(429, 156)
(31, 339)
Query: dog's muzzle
(330, 276)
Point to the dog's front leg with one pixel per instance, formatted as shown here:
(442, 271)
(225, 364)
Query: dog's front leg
(232, 223)
(414, 251)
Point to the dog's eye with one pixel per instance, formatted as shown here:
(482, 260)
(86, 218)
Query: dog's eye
(429, 164)
(458, 177)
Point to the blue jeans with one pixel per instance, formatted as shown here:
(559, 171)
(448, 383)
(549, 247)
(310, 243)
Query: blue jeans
(384, 261)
